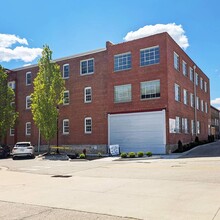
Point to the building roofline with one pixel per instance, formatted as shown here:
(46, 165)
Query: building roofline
(63, 58)
(211, 106)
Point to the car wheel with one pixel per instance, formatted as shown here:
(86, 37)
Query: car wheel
(14, 158)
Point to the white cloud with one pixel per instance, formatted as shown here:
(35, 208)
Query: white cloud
(215, 101)
(25, 54)
(175, 31)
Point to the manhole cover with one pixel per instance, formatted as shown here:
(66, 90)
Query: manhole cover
(62, 176)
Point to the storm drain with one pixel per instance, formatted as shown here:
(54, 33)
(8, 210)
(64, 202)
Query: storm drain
(62, 176)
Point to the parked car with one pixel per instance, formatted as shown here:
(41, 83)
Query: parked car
(23, 149)
(4, 151)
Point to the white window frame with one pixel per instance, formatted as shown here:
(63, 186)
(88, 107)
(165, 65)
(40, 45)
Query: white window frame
(68, 97)
(87, 60)
(152, 86)
(28, 74)
(178, 124)
(191, 74)
(121, 65)
(28, 128)
(86, 126)
(147, 50)
(202, 105)
(184, 68)
(118, 96)
(201, 83)
(198, 124)
(185, 125)
(206, 107)
(86, 100)
(193, 128)
(197, 103)
(176, 60)
(28, 102)
(205, 86)
(177, 93)
(12, 131)
(66, 126)
(192, 100)
(185, 97)
(64, 65)
(11, 84)
(197, 79)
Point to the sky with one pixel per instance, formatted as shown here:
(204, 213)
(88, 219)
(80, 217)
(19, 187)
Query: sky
(75, 26)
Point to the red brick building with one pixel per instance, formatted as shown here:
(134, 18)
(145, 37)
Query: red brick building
(145, 94)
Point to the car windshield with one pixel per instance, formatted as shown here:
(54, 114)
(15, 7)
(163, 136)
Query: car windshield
(23, 145)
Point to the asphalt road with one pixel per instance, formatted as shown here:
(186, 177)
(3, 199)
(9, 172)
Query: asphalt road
(152, 189)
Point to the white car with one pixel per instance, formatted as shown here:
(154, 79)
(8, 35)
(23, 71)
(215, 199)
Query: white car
(22, 149)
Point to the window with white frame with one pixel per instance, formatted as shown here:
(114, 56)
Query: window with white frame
(192, 100)
(197, 79)
(178, 125)
(88, 125)
(198, 127)
(193, 127)
(150, 56)
(11, 84)
(66, 97)
(197, 103)
(28, 102)
(66, 126)
(202, 105)
(205, 86)
(122, 61)
(28, 78)
(185, 97)
(66, 70)
(201, 83)
(28, 128)
(185, 128)
(177, 93)
(12, 131)
(206, 107)
(184, 67)
(150, 89)
(122, 93)
(87, 94)
(191, 74)
(87, 66)
(176, 61)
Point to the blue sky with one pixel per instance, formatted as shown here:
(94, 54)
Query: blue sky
(74, 26)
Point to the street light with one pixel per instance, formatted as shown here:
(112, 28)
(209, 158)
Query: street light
(58, 129)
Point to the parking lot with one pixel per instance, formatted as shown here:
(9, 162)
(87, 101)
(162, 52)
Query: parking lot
(185, 188)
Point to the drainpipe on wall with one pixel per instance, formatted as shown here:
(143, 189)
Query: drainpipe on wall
(195, 98)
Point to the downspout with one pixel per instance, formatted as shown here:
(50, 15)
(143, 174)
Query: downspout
(195, 98)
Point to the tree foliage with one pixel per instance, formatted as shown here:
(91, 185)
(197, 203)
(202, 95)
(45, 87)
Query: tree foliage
(47, 95)
(8, 114)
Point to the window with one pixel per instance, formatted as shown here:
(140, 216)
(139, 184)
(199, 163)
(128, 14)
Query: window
(176, 61)
(205, 86)
(122, 93)
(197, 103)
(177, 92)
(193, 127)
(28, 102)
(66, 97)
(185, 97)
(28, 78)
(192, 100)
(122, 61)
(198, 127)
(150, 89)
(191, 74)
(66, 70)
(177, 125)
(206, 107)
(28, 128)
(201, 83)
(197, 79)
(87, 66)
(12, 131)
(88, 125)
(12, 84)
(184, 66)
(88, 95)
(149, 56)
(66, 126)
(202, 105)
(185, 125)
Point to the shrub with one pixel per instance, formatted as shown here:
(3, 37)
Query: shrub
(131, 154)
(140, 154)
(123, 155)
(99, 154)
(180, 146)
(197, 139)
(82, 156)
(149, 154)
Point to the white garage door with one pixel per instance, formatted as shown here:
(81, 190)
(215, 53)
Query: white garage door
(138, 131)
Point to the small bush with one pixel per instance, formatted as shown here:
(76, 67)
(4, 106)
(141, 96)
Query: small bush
(180, 146)
(140, 154)
(82, 156)
(149, 154)
(99, 154)
(131, 154)
(123, 155)
(197, 140)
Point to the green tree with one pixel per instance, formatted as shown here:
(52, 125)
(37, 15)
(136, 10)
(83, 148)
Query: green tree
(8, 114)
(47, 95)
